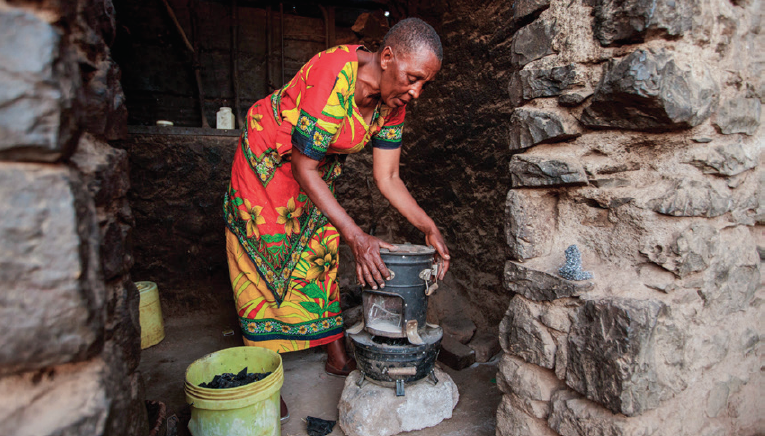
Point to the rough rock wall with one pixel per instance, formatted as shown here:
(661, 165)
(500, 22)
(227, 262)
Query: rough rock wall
(637, 137)
(69, 312)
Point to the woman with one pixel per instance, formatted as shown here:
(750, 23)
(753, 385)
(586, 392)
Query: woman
(283, 221)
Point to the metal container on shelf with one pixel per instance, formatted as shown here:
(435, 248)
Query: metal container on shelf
(225, 118)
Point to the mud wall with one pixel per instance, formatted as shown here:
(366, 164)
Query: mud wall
(453, 161)
(635, 135)
(69, 310)
(178, 177)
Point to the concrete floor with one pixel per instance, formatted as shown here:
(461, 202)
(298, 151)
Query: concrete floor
(307, 390)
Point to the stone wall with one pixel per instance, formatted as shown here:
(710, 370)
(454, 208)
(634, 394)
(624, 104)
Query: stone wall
(69, 312)
(636, 136)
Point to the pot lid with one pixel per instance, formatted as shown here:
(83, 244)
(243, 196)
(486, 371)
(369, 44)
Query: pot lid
(409, 249)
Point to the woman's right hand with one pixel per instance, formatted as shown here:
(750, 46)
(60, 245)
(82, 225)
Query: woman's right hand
(370, 268)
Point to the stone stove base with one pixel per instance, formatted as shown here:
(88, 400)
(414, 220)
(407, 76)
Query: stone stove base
(373, 410)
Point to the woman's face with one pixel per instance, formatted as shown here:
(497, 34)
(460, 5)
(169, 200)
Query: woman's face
(405, 75)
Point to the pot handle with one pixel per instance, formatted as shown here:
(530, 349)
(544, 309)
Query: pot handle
(431, 289)
(402, 372)
(426, 275)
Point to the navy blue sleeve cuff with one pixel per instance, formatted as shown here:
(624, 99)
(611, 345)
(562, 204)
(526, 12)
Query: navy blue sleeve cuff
(303, 145)
(385, 145)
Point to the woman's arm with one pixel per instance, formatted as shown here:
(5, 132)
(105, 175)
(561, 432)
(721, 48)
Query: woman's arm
(370, 268)
(386, 174)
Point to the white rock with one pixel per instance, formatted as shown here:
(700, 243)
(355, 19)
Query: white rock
(373, 410)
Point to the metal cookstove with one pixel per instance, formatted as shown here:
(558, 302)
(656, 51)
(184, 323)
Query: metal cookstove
(393, 343)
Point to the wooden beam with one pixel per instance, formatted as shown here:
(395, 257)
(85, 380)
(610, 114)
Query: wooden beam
(234, 62)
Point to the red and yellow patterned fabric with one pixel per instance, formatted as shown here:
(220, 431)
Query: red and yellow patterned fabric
(309, 316)
(286, 239)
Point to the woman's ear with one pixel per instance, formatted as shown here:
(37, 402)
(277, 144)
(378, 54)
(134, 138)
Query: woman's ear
(386, 57)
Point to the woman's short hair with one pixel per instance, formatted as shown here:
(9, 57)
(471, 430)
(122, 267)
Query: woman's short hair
(411, 34)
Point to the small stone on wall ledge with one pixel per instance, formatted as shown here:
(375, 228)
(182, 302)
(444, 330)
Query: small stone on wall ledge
(574, 98)
(572, 270)
(539, 285)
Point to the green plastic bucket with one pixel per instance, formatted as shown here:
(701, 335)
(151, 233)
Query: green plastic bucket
(150, 315)
(249, 410)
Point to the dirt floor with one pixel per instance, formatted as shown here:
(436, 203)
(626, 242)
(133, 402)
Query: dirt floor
(307, 390)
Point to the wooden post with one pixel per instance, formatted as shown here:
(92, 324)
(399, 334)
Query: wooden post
(281, 36)
(234, 61)
(326, 26)
(194, 49)
(269, 62)
(196, 63)
(331, 25)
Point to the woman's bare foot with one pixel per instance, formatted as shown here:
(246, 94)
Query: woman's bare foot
(285, 413)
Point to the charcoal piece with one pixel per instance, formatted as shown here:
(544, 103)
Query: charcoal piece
(318, 426)
(572, 270)
(242, 376)
(229, 380)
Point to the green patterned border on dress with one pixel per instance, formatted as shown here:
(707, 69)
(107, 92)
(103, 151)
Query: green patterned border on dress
(264, 165)
(276, 101)
(315, 135)
(391, 133)
(269, 329)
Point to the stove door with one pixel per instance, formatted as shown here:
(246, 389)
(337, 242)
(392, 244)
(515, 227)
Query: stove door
(384, 314)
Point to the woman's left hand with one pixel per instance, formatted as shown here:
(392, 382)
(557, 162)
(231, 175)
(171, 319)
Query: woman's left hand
(434, 239)
(386, 174)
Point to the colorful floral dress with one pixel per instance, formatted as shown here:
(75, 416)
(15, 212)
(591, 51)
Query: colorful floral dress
(282, 251)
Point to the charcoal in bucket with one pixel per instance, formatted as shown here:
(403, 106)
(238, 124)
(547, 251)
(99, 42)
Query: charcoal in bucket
(229, 380)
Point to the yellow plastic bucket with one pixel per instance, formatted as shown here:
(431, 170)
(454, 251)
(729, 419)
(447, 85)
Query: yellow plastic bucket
(249, 410)
(150, 315)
